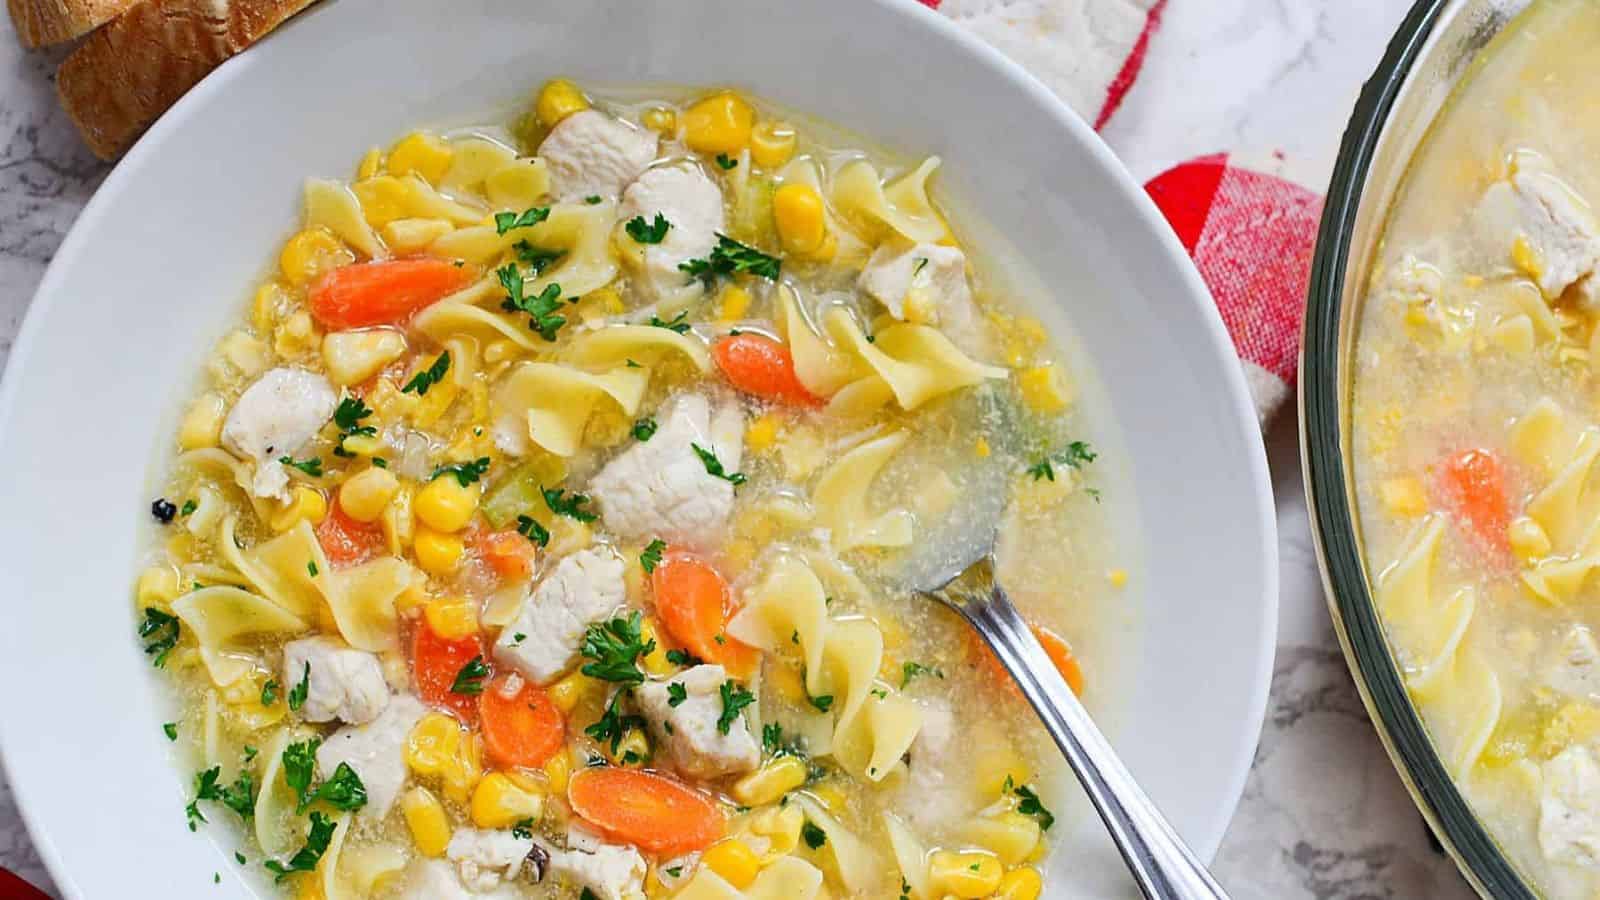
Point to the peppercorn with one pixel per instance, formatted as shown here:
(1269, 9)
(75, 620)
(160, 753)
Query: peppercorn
(163, 509)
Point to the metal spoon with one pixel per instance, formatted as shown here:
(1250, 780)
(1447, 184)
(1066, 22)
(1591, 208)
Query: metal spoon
(1162, 865)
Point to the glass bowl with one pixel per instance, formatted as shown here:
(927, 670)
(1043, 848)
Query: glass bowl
(1433, 49)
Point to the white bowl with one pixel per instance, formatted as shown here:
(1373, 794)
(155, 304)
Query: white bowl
(161, 259)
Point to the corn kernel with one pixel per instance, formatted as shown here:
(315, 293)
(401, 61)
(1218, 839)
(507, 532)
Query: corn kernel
(632, 750)
(451, 618)
(1528, 539)
(655, 662)
(1020, 884)
(296, 337)
(830, 796)
(1009, 835)
(383, 199)
(370, 163)
(775, 778)
(735, 303)
(1524, 257)
(365, 494)
(1117, 577)
(399, 526)
(660, 119)
(202, 422)
(271, 302)
(720, 123)
(157, 587)
(422, 153)
(567, 693)
(438, 747)
(414, 235)
(1044, 389)
(762, 433)
(557, 771)
(772, 144)
(734, 861)
(310, 253)
(437, 553)
(306, 503)
(558, 99)
(798, 213)
(502, 800)
(980, 448)
(426, 820)
(363, 445)
(789, 684)
(996, 765)
(1403, 497)
(967, 874)
(445, 504)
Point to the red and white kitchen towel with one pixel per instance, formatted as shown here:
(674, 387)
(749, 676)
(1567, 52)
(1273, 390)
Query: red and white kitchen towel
(1248, 227)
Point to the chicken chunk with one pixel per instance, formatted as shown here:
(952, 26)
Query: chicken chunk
(484, 858)
(688, 729)
(661, 487)
(927, 284)
(543, 639)
(376, 751)
(933, 793)
(592, 154)
(1539, 223)
(1569, 808)
(609, 871)
(435, 879)
(1575, 670)
(341, 682)
(691, 203)
(272, 419)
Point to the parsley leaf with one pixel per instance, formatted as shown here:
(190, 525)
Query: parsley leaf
(725, 163)
(240, 796)
(541, 309)
(676, 694)
(344, 790)
(922, 263)
(1030, 806)
(189, 506)
(730, 257)
(1075, 456)
(269, 692)
(522, 829)
(734, 698)
(160, 632)
(772, 738)
(348, 418)
(469, 680)
(311, 568)
(714, 466)
(306, 858)
(170, 729)
(682, 658)
(299, 762)
(823, 703)
(644, 429)
(814, 837)
(505, 221)
(205, 788)
(910, 670)
(614, 646)
(648, 232)
(570, 506)
(298, 693)
(427, 378)
(592, 199)
(466, 473)
(613, 724)
(312, 466)
(529, 527)
(651, 557)
(537, 259)
(678, 325)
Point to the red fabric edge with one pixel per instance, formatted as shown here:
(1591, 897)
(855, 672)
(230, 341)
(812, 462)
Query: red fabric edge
(1184, 194)
(1130, 66)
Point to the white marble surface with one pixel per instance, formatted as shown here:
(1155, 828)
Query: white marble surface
(1323, 815)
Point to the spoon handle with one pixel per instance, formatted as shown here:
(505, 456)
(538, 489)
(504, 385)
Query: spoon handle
(1162, 864)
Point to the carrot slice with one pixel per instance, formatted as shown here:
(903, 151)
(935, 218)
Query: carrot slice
(692, 601)
(1055, 646)
(346, 541)
(650, 811)
(761, 367)
(436, 662)
(383, 292)
(521, 728)
(1473, 483)
(510, 554)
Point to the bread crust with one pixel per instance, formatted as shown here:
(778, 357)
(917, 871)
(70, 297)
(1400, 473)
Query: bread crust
(40, 23)
(124, 76)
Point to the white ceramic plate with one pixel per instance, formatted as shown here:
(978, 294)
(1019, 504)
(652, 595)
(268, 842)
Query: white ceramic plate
(161, 259)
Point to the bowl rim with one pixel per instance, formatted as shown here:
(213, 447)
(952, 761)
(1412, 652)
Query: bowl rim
(1141, 207)
(1375, 671)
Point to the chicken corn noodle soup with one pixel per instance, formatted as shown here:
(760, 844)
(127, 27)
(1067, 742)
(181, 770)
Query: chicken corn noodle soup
(535, 534)
(1476, 430)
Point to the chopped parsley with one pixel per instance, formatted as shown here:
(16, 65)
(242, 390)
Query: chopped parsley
(714, 466)
(922, 263)
(522, 829)
(645, 429)
(822, 703)
(910, 670)
(529, 527)
(427, 378)
(674, 871)
(380, 462)
(348, 419)
(298, 693)
(725, 163)
(269, 692)
(682, 658)
(505, 221)
(189, 506)
(651, 557)
(163, 509)
(299, 762)
(306, 858)
(170, 729)
(469, 680)
(678, 325)
(249, 753)
(239, 796)
(311, 467)
(570, 505)
(592, 199)
(1030, 805)
(615, 646)
(613, 724)
(311, 568)
(880, 693)
(587, 895)
(537, 259)
(541, 309)
(730, 257)
(466, 473)
(772, 738)
(676, 694)
(518, 638)
(1075, 456)
(632, 364)
(344, 790)
(160, 633)
(734, 698)
(814, 837)
(648, 232)
(239, 857)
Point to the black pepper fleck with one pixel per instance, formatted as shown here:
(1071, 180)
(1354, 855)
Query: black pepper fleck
(163, 509)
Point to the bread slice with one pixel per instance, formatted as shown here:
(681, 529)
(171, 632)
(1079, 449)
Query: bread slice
(124, 76)
(43, 22)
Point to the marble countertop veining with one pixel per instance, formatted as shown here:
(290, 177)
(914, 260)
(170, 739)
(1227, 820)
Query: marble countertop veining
(1323, 815)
